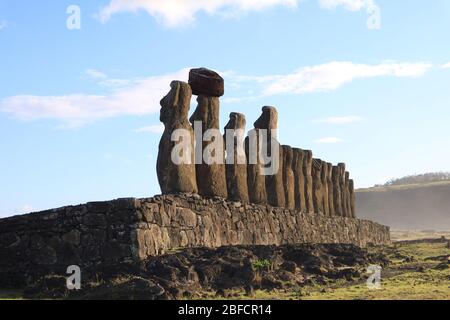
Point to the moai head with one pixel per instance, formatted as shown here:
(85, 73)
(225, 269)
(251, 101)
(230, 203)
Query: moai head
(317, 165)
(288, 156)
(342, 168)
(308, 156)
(335, 173)
(268, 119)
(324, 172)
(237, 121)
(298, 155)
(329, 171)
(175, 105)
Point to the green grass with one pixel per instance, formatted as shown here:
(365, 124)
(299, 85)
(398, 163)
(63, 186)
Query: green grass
(428, 285)
(6, 294)
(411, 276)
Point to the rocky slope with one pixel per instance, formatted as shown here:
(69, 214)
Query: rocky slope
(195, 273)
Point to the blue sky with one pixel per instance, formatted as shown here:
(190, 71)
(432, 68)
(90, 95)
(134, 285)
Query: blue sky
(79, 108)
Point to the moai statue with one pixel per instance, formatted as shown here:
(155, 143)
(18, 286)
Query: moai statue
(337, 200)
(209, 149)
(288, 177)
(352, 199)
(307, 173)
(317, 186)
(299, 178)
(256, 181)
(179, 175)
(324, 180)
(330, 189)
(272, 151)
(236, 160)
(348, 205)
(341, 167)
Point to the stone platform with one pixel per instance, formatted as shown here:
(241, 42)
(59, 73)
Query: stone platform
(127, 231)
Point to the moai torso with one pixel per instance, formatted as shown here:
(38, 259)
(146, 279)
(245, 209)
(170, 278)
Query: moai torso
(330, 189)
(324, 179)
(307, 172)
(352, 199)
(348, 202)
(236, 160)
(317, 186)
(288, 177)
(173, 177)
(210, 155)
(299, 178)
(341, 167)
(274, 179)
(337, 199)
(256, 181)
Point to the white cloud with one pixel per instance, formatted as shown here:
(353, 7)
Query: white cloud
(102, 79)
(140, 98)
(151, 129)
(352, 5)
(333, 75)
(340, 120)
(3, 24)
(95, 74)
(179, 12)
(329, 140)
(446, 66)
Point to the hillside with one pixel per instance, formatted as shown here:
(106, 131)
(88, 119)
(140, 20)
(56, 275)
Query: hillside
(419, 206)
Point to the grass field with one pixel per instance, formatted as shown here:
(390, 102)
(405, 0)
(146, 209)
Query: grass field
(401, 235)
(416, 272)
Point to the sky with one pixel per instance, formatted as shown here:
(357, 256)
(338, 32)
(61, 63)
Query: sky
(365, 82)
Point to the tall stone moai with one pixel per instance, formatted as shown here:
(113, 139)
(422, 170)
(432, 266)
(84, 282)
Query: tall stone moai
(256, 181)
(348, 204)
(352, 198)
(209, 151)
(337, 200)
(299, 179)
(342, 188)
(307, 173)
(324, 179)
(236, 159)
(176, 176)
(288, 177)
(330, 189)
(272, 149)
(317, 186)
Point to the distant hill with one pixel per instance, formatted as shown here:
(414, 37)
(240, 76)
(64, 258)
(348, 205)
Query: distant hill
(419, 202)
(419, 179)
